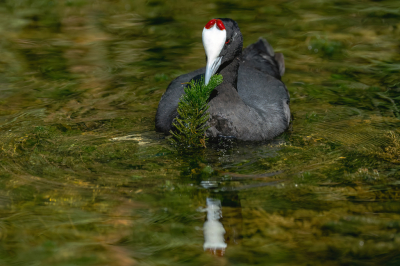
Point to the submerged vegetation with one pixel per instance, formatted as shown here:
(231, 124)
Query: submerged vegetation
(86, 180)
(391, 152)
(192, 109)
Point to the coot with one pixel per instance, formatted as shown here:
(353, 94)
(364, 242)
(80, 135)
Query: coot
(252, 103)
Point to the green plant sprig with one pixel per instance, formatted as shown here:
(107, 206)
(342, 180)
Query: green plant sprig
(191, 123)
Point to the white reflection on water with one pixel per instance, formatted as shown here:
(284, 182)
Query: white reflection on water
(213, 229)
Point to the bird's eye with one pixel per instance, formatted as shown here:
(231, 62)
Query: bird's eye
(227, 41)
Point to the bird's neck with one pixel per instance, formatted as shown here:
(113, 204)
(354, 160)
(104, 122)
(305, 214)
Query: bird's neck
(229, 72)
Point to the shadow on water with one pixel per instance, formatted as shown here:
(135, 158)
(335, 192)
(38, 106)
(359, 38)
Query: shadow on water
(86, 180)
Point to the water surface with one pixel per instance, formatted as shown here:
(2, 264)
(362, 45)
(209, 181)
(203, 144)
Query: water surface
(86, 180)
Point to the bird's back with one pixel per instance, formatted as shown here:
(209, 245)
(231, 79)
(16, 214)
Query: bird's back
(259, 76)
(261, 56)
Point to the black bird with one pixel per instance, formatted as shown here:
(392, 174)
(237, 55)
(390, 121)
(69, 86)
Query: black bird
(252, 103)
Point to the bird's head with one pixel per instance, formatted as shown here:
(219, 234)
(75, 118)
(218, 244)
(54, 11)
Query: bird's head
(222, 41)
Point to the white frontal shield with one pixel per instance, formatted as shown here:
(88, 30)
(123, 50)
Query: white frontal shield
(213, 42)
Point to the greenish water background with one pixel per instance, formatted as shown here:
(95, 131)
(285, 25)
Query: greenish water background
(76, 74)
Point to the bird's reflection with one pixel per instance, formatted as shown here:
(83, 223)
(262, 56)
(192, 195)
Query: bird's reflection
(223, 223)
(213, 229)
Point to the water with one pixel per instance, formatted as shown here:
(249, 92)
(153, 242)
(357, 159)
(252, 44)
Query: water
(87, 181)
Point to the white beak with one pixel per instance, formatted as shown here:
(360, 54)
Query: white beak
(213, 42)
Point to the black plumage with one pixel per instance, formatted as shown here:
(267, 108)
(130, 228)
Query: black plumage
(251, 104)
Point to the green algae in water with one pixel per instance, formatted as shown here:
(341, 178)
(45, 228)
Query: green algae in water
(75, 75)
(192, 109)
